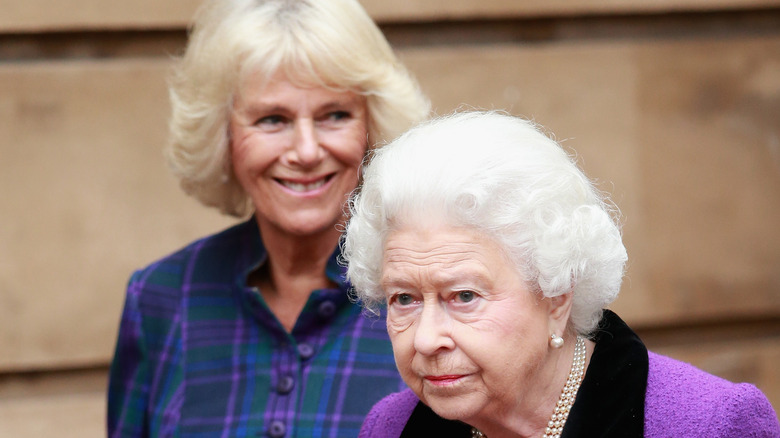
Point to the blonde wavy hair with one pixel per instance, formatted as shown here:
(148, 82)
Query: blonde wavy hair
(321, 43)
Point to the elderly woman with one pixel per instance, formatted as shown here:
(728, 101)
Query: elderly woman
(250, 332)
(495, 257)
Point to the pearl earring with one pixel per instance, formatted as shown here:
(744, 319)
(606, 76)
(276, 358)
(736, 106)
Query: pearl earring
(556, 341)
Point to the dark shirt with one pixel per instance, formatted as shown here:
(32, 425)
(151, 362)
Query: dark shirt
(199, 353)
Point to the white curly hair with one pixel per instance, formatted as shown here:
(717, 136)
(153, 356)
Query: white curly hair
(501, 176)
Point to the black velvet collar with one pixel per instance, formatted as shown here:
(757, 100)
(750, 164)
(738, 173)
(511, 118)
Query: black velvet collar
(610, 401)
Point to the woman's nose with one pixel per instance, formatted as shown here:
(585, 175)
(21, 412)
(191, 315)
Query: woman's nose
(306, 150)
(433, 331)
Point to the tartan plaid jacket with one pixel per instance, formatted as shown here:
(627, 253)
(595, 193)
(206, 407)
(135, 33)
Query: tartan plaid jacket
(199, 354)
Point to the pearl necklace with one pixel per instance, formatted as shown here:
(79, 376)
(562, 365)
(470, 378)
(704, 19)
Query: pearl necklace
(566, 401)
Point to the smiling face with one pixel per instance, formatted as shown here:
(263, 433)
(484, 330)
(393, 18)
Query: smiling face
(469, 337)
(296, 151)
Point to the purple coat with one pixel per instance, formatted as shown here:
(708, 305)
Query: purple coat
(680, 401)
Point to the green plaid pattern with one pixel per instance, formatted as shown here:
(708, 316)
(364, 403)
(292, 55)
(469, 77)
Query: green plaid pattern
(199, 354)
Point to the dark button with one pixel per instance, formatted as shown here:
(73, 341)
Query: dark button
(327, 309)
(285, 385)
(305, 350)
(277, 429)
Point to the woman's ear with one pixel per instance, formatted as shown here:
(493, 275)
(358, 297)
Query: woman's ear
(560, 310)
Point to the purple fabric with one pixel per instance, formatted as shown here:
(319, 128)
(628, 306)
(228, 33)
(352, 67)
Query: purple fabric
(389, 416)
(681, 401)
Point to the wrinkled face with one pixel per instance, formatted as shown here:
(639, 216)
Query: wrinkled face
(469, 337)
(296, 151)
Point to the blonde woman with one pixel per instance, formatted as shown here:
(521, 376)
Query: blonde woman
(250, 332)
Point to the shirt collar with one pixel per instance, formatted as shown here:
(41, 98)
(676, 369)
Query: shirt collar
(254, 255)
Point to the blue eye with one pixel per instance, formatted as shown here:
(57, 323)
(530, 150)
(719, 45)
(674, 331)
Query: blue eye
(466, 296)
(404, 299)
(336, 117)
(270, 120)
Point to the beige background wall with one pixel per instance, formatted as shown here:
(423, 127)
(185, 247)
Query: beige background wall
(673, 107)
